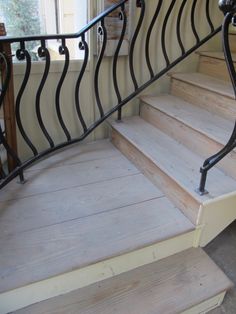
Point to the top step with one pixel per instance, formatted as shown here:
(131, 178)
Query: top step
(214, 64)
(212, 94)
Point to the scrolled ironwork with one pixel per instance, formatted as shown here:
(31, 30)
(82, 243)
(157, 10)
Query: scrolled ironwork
(122, 17)
(140, 4)
(229, 9)
(163, 34)
(22, 54)
(83, 46)
(161, 19)
(178, 27)
(43, 53)
(64, 51)
(149, 33)
(102, 32)
(193, 25)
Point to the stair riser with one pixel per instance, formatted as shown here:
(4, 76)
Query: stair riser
(214, 67)
(202, 144)
(232, 40)
(209, 100)
(80, 278)
(168, 185)
(208, 305)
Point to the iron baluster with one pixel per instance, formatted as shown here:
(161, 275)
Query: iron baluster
(149, 33)
(63, 50)
(82, 46)
(103, 34)
(163, 33)
(123, 17)
(43, 53)
(193, 21)
(87, 129)
(140, 4)
(229, 9)
(178, 27)
(23, 54)
(208, 15)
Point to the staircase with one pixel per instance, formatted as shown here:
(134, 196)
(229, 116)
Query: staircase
(176, 132)
(93, 232)
(118, 225)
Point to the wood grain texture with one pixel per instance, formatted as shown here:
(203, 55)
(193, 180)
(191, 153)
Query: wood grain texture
(176, 193)
(174, 159)
(169, 286)
(68, 176)
(213, 64)
(211, 94)
(198, 129)
(53, 208)
(77, 153)
(38, 254)
(232, 40)
(79, 278)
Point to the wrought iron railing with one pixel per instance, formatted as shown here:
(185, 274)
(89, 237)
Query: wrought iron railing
(229, 9)
(160, 26)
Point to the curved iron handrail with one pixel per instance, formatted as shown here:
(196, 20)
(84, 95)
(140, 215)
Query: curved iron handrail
(229, 9)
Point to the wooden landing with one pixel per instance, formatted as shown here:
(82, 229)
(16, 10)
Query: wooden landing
(188, 282)
(82, 206)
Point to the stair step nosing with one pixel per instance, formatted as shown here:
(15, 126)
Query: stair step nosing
(185, 122)
(207, 88)
(210, 54)
(199, 199)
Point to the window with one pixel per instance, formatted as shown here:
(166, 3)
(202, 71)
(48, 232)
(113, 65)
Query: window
(30, 17)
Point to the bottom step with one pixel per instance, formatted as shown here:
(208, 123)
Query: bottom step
(188, 282)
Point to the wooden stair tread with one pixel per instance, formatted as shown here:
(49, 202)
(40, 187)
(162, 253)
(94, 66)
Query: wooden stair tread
(216, 55)
(173, 158)
(207, 82)
(42, 253)
(217, 128)
(48, 234)
(169, 286)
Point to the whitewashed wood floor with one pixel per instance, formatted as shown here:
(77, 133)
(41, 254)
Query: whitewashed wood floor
(80, 206)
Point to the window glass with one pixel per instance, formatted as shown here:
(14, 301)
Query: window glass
(31, 17)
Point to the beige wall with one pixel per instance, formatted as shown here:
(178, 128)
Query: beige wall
(107, 90)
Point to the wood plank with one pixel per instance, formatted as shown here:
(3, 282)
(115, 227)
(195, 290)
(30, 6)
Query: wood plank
(79, 278)
(213, 64)
(216, 127)
(206, 82)
(38, 254)
(185, 122)
(68, 176)
(232, 40)
(53, 208)
(77, 153)
(214, 95)
(215, 54)
(174, 159)
(188, 205)
(169, 286)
